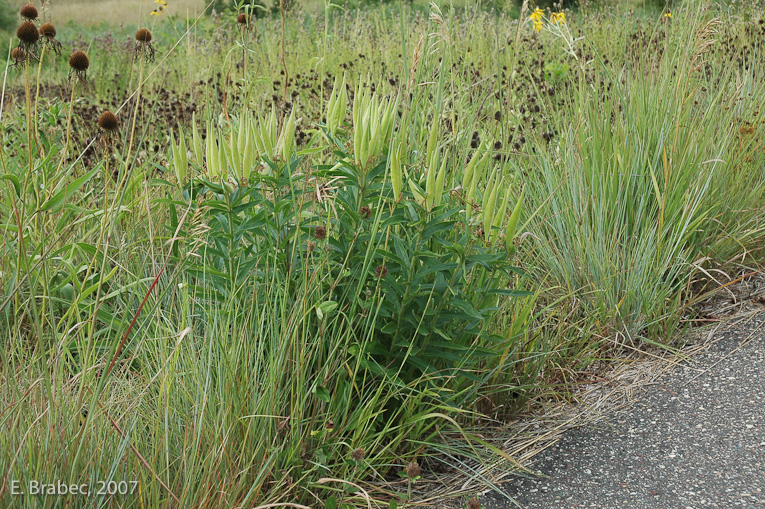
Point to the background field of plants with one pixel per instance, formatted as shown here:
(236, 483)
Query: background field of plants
(325, 247)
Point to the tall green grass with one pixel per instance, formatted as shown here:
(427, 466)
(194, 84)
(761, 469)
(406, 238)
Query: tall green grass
(228, 352)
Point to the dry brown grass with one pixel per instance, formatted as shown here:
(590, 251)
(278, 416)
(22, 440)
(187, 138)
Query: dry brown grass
(90, 12)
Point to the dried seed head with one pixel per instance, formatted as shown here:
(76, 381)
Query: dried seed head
(413, 470)
(474, 503)
(108, 121)
(27, 33)
(143, 35)
(365, 212)
(357, 455)
(242, 18)
(79, 61)
(29, 11)
(380, 272)
(48, 30)
(18, 54)
(320, 233)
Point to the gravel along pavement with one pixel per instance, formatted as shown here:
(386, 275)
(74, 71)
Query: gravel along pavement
(694, 439)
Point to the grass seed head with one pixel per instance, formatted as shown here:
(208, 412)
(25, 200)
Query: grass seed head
(108, 121)
(143, 35)
(27, 33)
(29, 12)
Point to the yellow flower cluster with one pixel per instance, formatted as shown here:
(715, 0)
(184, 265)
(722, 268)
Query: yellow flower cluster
(161, 7)
(536, 19)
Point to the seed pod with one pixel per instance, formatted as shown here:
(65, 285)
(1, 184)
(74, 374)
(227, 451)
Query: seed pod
(430, 182)
(287, 139)
(512, 224)
(439, 190)
(395, 169)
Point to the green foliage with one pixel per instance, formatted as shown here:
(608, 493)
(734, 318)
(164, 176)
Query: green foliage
(417, 289)
(7, 17)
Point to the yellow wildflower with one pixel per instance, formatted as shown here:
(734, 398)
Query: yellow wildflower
(536, 16)
(667, 14)
(161, 2)
(559, 18)
(538, 25)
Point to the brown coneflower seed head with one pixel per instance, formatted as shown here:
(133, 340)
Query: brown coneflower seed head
(474, 503)
(358, 454)
(48, 30)
(18, 54)
(27, 33)
(79, 61)
(320, 233)
(413, 469)
(143, 35)
(242, 18)
(381, 271)
(29, 11)
(108, 121)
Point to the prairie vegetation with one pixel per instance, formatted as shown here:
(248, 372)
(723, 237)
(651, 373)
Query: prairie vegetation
(310, 257)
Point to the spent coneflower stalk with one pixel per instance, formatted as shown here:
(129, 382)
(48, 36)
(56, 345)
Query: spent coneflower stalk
(48, 37)
(78, 66)
(48, 33)
(108, 123)
(28, 36)
(243, 20)
(143, 46)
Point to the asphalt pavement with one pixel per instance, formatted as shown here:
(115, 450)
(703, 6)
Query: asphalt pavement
(694, 439)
